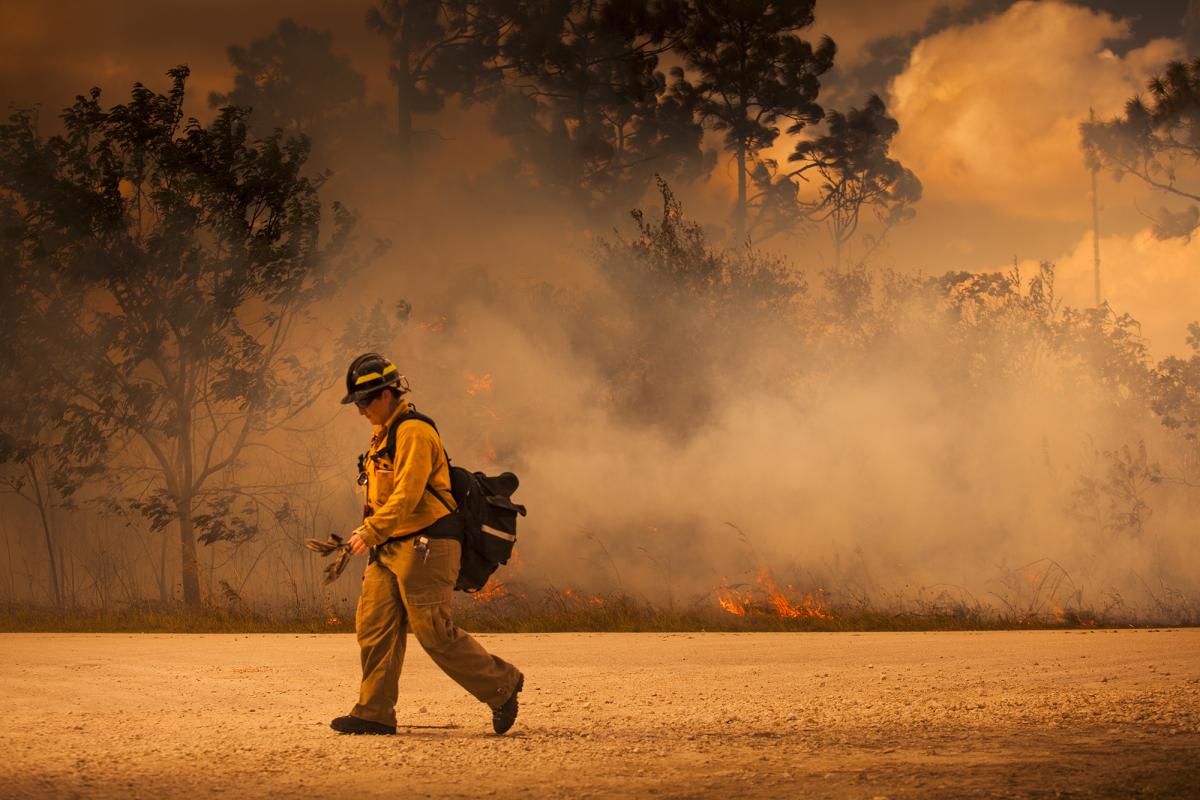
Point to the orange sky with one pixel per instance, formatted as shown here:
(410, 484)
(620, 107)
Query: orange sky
(989, 111)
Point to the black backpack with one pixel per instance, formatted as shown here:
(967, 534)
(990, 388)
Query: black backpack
(485, 506)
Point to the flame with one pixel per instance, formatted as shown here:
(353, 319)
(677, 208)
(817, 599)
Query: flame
(810, 605)
(479, 383)
(494, 590)
(333, 620)
(733, 601)
(1069, 616)
(575, 597)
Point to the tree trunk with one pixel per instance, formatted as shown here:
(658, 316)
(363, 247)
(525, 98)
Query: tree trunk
(187, 544)
(404, 124)
(40, 502)
(68, 577)
(12, 574)
(1096, 238)
(163, 595)
(739, 211)
(212, 571)
(404, 105)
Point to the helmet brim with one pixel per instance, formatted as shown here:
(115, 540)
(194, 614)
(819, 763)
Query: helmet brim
(354, 397)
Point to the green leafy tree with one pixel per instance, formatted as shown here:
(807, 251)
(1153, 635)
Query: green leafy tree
(749, 71)
(165, 270)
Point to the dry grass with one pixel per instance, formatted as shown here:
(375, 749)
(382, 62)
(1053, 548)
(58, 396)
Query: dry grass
(555, 611)
(155, 618)
(550, 611)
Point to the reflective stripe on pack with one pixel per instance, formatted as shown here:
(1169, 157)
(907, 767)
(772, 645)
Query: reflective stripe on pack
(512, 537)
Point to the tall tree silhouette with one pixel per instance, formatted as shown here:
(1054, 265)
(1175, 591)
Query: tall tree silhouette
(438, 48)
(751, 70)
(589, 110)
(856, 172)
(36, 465)
(292, 80)
(165, 267)
(1156, 135)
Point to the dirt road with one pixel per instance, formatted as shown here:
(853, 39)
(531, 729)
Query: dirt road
(1016, 714)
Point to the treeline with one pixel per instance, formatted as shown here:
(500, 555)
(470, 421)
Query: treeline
(162, 275)
(681, 330)
(168, 287)
(595, 97)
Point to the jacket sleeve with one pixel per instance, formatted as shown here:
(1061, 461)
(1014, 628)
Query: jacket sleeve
(416, 448)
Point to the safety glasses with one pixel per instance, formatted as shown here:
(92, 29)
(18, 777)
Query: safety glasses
(363, 402)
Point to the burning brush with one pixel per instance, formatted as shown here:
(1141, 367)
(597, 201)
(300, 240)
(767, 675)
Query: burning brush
(333, 544)
(778, 603)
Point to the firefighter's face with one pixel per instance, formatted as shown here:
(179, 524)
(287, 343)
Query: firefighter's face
(379, 408)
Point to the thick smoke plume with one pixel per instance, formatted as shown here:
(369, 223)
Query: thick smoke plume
(893, 441)
(689, 414)
(685, 417)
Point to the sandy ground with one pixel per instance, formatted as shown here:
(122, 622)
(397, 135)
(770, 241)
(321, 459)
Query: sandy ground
(1015, 714)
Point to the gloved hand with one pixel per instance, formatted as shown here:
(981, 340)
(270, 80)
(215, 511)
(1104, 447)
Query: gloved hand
(333, 544)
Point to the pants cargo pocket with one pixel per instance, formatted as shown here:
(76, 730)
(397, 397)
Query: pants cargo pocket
(429, 580)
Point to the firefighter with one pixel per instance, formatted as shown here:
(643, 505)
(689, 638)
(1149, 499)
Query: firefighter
(414, 543)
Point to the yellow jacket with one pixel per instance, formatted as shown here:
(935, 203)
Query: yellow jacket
(395, 491)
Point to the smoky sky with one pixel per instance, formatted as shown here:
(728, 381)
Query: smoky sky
(884, 57)
(966, 220)
(54, 51)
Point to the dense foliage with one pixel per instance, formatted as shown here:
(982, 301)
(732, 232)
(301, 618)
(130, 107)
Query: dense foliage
(157, 269)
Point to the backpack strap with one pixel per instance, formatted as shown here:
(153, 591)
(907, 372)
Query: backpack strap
(389, 448)
(429, 488)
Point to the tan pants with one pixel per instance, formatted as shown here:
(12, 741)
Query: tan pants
(400, 591)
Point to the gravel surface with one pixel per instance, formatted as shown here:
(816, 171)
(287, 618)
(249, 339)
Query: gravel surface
(870, 715)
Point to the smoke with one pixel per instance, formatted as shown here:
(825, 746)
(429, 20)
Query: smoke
(890, 440)
(884, 438)
(989, 112)
(1143, 274)
(882, 448)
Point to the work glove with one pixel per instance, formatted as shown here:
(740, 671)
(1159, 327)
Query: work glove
(333, 544)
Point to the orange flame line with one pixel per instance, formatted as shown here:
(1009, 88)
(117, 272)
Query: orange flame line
(810, 605)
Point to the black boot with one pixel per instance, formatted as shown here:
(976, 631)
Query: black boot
(359, 726)
(504, 716)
